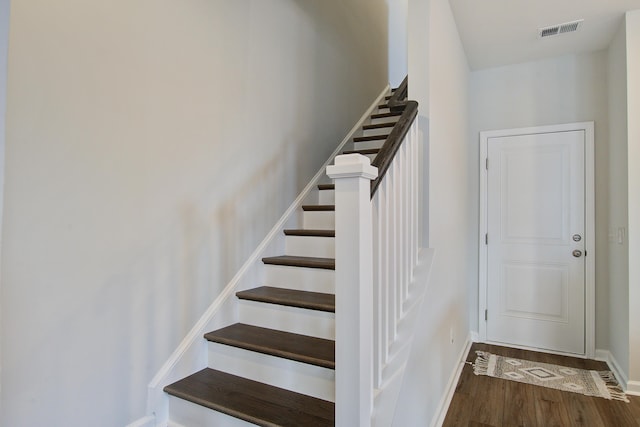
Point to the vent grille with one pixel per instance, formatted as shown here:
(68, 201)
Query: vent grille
(554, 30)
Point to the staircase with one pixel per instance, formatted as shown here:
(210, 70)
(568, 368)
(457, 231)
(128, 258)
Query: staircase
(276, 365)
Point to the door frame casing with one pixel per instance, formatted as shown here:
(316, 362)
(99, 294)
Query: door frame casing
(589, 207)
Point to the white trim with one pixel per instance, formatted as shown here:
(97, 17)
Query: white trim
(445, 402)
(633, 388)
(482, 247)
(5, 8)
(588, 128)
(148, 421)
(607, 356)
(192, 346)
(590, 239)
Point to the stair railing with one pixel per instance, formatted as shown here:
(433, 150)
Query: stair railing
(376, 213)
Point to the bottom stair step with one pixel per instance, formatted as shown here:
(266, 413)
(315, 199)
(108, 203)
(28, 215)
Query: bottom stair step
(252, 401)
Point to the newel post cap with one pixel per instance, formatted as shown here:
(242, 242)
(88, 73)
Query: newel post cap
(352, 166)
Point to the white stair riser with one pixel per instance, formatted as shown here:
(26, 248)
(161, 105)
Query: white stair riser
(300, 278)
(371, 156)
(296, 320)
(288, 374)
(363, 145)
(326, 197)
(379, 131)
(187, 414)
(382, 111)
(391, 119)
(321, 220)
(313, 246)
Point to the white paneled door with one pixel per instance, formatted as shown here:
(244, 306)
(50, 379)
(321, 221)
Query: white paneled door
(535, 201)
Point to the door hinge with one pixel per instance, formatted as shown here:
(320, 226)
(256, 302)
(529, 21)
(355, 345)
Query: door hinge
(486, 315)
(585, 253)
(486, 238)
(486, 163)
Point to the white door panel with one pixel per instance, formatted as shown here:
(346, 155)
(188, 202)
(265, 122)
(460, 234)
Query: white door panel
(535, 205)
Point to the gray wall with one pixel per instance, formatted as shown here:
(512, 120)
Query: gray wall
(633, 165)
(618, 253)
(398, 40)
(443, 324)
(150, 148)
(566, 89)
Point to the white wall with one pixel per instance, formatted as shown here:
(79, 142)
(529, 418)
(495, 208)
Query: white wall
(618, 253)
(445, 310)
(633, 152)
(418, 65)
(419, 26)
(4, 44)
(150, 147)
(559, 90)
(398, 41)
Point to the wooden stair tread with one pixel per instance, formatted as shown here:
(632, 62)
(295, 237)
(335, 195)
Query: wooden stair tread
(326, 187)
(383, 106)
(369, 138)
(301, 261)
(310, 232)
(385, 115)
(301, 348)
(364, 152)
(379, 125)
(318, 208)
(252, 401)
(291, 298)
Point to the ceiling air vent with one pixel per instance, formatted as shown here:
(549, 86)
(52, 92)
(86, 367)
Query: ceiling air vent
(554, 30)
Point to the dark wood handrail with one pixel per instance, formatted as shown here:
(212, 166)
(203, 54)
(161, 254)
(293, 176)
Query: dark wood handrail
(394, 140)
(398, 99)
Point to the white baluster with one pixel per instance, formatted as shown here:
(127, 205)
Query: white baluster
(378, 290)
(397, 241)
(404, 253)
(417, 194)
(393, 252)
(401, 236)
(413, 191)
(385, 263)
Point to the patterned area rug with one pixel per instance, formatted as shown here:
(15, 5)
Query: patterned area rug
(590, 383)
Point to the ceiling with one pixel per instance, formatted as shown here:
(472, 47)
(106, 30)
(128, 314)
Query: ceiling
(501, 32)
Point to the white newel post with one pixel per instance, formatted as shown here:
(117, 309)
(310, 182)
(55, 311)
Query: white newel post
(352, 174)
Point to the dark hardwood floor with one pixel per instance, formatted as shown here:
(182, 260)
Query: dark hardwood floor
(480, 400)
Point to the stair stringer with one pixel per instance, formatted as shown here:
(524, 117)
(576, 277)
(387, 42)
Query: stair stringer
(192, 353)
(386, 397)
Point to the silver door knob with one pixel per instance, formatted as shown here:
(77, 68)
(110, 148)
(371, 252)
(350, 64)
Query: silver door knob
(577, 237)
(577, 253)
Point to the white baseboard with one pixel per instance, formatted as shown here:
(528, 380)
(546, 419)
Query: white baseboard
(443, 407)
(633, 388)
(474, 336)
(148, 421)
(621, 376)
